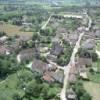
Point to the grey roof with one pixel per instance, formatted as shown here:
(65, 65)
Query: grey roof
(28, 53)
(88, 44)
(97, 33)
(39, 66)
(58, 76)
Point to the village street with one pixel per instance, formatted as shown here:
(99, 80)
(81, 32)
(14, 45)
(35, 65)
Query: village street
(72, 61)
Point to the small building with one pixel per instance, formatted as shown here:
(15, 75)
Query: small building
(73, 75)
(85, 61)
(72, 38)
(58, 76)
(53, 76)
(89, 44)
(97, 34)
(71, 95)
(4, 50)
(47, 77)
(39, 66)
(81, 66)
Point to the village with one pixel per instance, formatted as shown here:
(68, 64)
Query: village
(63, 48)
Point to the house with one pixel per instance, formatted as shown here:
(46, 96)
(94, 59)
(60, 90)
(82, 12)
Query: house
(3, 38)
(4, 50)
(56, 49)
(53, 76)
(71, 95)
(81, 66)
(39, 66)
(72, 38)
(88, 44)
(58, 76)
(48, 78)
(85, 61)
(83, 71)
(24, 38)
(28, 54)
(52, 57)
(97, 34)
(61, 30)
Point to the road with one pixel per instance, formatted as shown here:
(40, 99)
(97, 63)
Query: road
(72, 61)
(68, 67)
(44, 26)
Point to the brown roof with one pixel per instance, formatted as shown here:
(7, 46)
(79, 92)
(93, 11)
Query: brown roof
(85, 61)
(47, 77)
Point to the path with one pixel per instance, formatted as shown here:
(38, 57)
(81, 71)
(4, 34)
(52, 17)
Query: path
(44, 26)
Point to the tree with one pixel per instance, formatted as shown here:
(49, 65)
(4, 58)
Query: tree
(2, 34)
(94, 56)
(81, 92)
(35, 36)
(86, 96)
(16, 96)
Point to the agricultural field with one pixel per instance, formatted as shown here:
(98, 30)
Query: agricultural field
(12, 30)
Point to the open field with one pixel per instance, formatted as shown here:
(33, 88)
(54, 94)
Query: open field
(95, 76)
(93, 89)
(12, 30)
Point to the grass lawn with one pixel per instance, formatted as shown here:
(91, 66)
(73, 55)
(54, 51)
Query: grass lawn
(93, 89)
(9, 86)
(12, 30)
